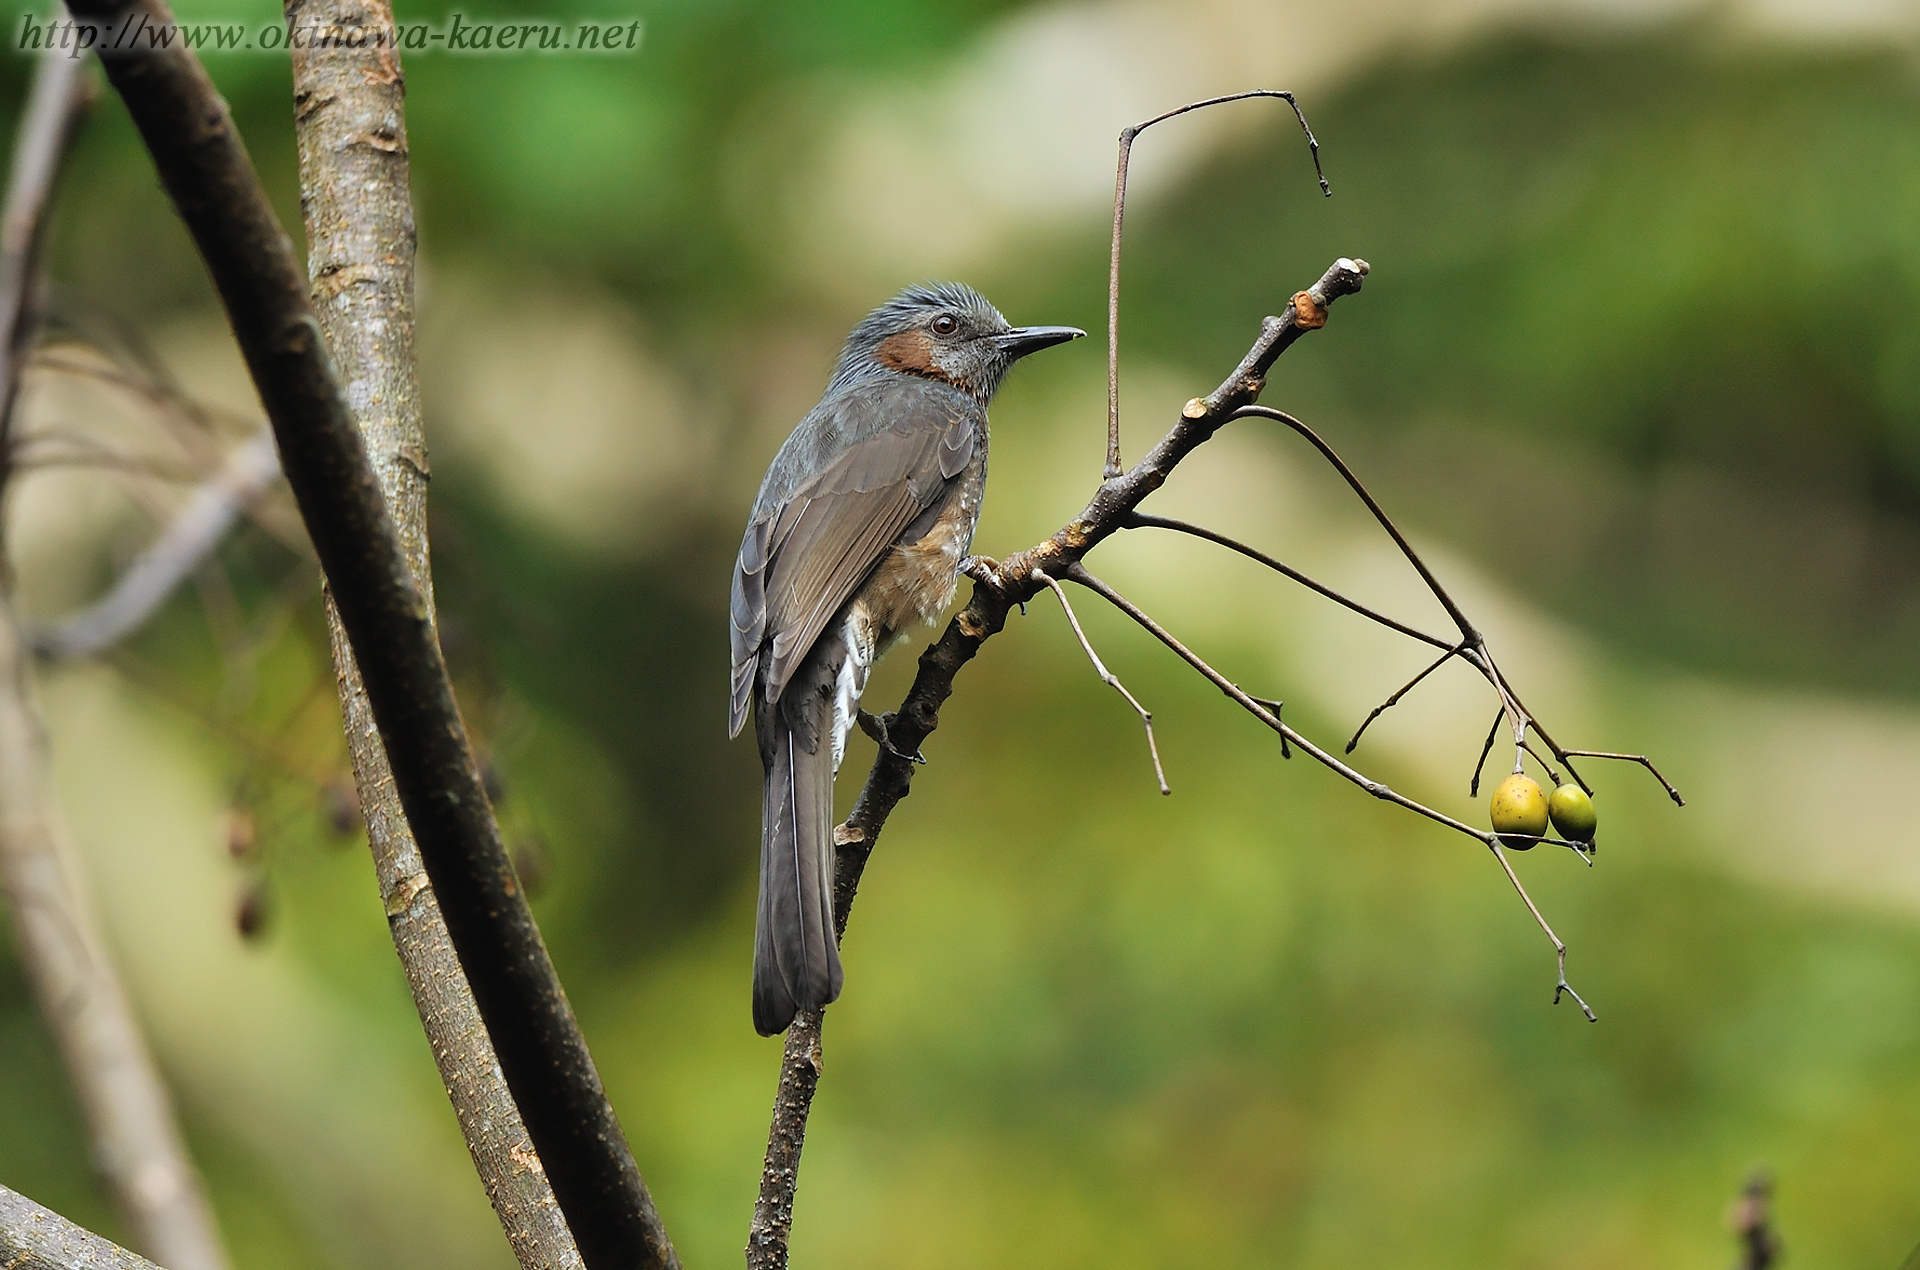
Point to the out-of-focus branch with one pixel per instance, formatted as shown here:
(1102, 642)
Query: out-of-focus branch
(194, 533)
(1752, 1222)
(349, 99)
(134, 1139)
(36, 1238)
(206, 171)
(57, 101)
(135, 1143)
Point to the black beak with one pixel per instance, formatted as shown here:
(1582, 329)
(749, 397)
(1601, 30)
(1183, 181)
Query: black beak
(1022, 340)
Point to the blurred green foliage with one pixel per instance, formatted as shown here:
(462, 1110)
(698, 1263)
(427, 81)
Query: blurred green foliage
(1642, 331)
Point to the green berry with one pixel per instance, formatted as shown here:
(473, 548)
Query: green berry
(1573, 813)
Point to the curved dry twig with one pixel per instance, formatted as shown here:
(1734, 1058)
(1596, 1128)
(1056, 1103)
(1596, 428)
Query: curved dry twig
(1403, 690)
(1645, 762)
(1108, 677)
(1127, 137)
(1144, 520)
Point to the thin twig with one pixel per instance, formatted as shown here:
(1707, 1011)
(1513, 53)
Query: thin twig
(1127, 137)
(1078, 573)
(350, 124)
(1641, 759)
(1404, 689)
(1473, 786)
(134, 1138)
(1551, 774)
(1108, 677)
(1560, 949)
(206, 172)
(1476, 652)
(1468, 634)
(1143, 520)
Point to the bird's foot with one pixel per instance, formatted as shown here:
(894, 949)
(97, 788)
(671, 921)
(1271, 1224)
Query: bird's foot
(983, 569)
(875, 726)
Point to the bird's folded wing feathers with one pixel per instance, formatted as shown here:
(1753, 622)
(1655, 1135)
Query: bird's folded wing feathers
(805, 558)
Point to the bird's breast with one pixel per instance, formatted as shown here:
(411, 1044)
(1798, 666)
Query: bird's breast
(915, 581)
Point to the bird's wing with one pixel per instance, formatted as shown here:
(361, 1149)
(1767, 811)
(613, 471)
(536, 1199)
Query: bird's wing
(805, 556)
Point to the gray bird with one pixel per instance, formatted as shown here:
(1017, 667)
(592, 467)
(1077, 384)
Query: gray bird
(858, 533)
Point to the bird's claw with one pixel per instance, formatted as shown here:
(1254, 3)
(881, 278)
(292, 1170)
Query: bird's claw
(875, 726)
(982, 569)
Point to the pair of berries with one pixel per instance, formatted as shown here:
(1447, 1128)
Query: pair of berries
(1522, 809)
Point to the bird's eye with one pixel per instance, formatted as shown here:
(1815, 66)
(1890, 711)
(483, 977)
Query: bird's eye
(945, 324)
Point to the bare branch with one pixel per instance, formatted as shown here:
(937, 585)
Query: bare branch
(1143, 520)
(1560, 949)
(193, 535)
(1127, 137)
(1551, 774)
(1641, 759)
(349, 113)
(1404, 689)
(58, 101)
(1473, 786)
(36, 1238)
(800, 1068)
(206, 171)
(1108, 677)
(135, 1141)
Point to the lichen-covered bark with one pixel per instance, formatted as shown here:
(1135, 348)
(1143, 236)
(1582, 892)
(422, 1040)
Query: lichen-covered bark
(348, 105)
(35, 1238)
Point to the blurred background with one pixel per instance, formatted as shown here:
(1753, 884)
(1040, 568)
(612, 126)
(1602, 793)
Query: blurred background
(1638, 365)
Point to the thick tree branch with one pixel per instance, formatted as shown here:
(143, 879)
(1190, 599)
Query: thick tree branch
(355, 195)
(36, 1238)
(206, 171)
(134, 1139)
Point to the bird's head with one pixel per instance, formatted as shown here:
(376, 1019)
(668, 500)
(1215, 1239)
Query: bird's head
(945, 331)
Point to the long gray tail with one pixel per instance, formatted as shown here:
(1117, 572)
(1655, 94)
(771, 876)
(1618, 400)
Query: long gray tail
(796, 959)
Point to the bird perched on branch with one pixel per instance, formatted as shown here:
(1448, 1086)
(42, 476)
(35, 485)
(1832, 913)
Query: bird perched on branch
(859, 531)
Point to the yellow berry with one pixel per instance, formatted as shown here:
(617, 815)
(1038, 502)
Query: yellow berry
(1573, 813)
(1520, 808)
